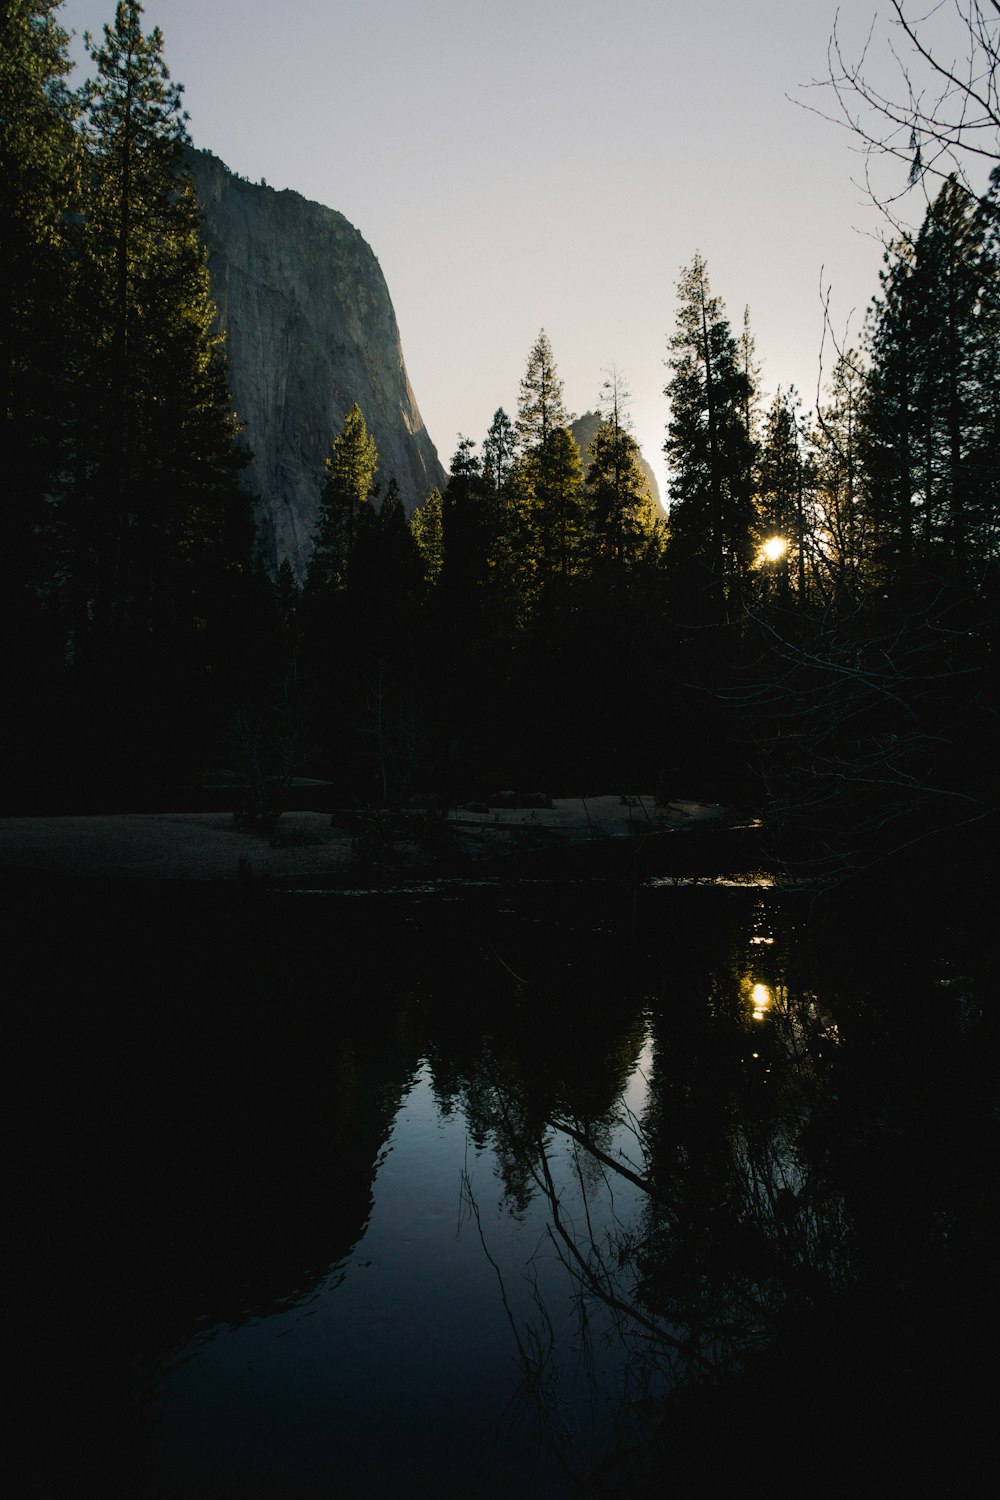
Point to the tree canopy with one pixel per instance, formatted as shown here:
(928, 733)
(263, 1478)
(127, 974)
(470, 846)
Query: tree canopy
(350, 477)
(709, 449)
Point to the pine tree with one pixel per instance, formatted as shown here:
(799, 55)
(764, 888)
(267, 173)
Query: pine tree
(891, 349)
(540, 408)
(622, 511)
(750, 370)
(506, 517)
(983, 461)
(548, 483)
(957, 282)
(559, 511)
(781, 496)
(39, 187)
(708, 448)
(466, 531)
(39, 170)
(932, 390)
(350, 477)
(398, 563)
(161, 529)
(427, 528)
(843, 514)
(499, 453)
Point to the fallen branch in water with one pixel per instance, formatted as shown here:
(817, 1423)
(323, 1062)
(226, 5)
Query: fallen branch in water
(642, 1183)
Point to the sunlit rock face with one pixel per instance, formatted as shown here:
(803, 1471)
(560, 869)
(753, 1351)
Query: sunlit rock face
(309, 330)
(584, 429)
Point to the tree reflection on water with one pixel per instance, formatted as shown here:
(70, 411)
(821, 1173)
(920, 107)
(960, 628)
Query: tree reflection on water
(809, 1165)
(745, 1164)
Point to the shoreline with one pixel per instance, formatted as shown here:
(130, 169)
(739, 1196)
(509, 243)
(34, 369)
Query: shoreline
(208, 846)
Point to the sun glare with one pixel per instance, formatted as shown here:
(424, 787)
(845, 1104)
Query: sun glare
(761, 997)
(773, 548)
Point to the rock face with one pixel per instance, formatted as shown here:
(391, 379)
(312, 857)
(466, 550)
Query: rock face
(584, 429)
(309, 330)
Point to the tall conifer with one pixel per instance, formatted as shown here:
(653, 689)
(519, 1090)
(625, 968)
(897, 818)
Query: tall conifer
(549, 481)
(621, 506)
(39, 183)
(781, 495)
(348, 486)
(540, 407)
(162, 528)
(933, 391)
(841, 486)
(709, 450)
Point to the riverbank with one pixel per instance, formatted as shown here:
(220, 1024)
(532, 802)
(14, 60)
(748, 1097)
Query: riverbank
(210, 846)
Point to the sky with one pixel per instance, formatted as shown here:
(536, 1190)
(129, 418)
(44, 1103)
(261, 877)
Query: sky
(551, 163)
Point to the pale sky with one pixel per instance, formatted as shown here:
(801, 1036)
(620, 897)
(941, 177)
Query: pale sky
(549, 163)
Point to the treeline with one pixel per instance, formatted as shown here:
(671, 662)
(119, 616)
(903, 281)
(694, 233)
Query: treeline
(811, 629)
(127, 538)
(486, 640)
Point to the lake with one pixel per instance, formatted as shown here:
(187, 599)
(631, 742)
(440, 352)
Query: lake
(557, 1186)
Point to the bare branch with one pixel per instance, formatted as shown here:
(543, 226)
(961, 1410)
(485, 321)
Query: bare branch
(943, 116)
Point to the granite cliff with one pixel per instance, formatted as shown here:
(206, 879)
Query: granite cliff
(584, 430)
(309, 329)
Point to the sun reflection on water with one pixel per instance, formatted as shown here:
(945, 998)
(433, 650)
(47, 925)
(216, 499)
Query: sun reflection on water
(761, 998)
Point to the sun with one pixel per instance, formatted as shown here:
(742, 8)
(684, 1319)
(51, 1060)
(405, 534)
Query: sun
(773, 548)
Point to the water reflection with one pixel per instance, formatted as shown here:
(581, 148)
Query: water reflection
(409, 1331)
(761, 999)
(512, 1199)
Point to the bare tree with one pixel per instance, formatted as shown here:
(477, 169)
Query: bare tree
(938, 109)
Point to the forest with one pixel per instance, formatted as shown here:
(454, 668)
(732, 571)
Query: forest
(251, 1103)
(809, 630)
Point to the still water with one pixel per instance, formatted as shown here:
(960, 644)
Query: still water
(536, 1188)
(401, 1367)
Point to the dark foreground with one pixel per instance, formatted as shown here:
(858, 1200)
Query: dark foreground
(206, 1080)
